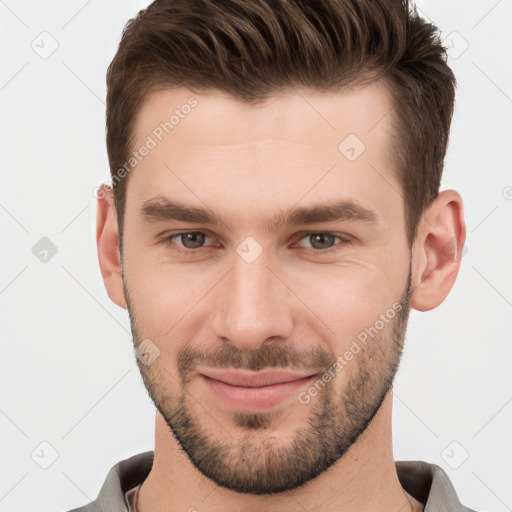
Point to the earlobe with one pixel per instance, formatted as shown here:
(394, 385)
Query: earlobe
(438, 251)
(107, 240)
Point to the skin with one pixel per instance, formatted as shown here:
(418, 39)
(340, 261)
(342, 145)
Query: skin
(294, 302)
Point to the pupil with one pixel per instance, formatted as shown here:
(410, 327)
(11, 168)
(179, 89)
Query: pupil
(195, 239)
(323, 239)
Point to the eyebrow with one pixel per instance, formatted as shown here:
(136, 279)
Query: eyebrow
(162, 209)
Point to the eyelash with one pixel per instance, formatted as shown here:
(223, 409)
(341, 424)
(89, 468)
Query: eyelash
(169, 240)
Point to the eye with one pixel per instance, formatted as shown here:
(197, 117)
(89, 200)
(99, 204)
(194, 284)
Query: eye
(190, 240)
(323, 242)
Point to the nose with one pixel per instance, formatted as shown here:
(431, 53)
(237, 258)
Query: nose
(254, 306)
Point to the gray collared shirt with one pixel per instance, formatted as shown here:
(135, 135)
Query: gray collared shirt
(428, 483)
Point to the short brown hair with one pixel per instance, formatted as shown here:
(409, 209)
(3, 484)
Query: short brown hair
(251, 49)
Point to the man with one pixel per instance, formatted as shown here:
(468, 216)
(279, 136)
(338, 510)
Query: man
(275, 214)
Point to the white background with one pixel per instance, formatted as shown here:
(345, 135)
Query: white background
(68, 372)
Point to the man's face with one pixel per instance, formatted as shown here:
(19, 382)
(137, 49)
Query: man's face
(263, 289)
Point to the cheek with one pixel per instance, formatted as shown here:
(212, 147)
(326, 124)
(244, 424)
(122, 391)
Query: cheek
(348, 300)
(157, 302)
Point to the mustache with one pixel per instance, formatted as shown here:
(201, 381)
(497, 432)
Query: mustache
(273, 356)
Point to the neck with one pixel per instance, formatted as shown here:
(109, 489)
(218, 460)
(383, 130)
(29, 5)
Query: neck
(363, 480)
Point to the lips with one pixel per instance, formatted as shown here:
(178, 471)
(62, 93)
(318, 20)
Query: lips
(254, 379)
(254, 391)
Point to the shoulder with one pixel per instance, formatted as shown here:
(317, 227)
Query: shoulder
(122, 477)
(429, 484)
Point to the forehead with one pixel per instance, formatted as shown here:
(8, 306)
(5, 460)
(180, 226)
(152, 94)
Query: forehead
(299, 145)
(303, 116)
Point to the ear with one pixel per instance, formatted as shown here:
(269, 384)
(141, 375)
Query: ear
(107, 240)
(438, 250)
